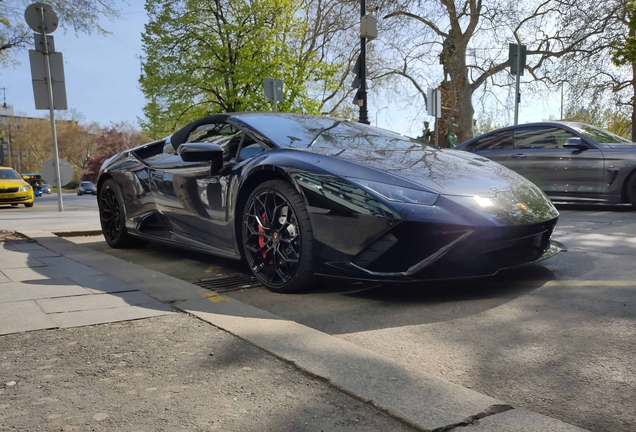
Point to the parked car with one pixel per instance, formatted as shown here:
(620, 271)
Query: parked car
(46, 189)
(13, 189)
(298, 195)
(86, 188)
(568, 161)
(35, 180)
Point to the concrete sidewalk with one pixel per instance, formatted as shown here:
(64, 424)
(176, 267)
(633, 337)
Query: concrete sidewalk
(60, 284)
(40, 289)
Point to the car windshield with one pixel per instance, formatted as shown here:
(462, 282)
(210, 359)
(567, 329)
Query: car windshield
(601, 135)
(326, 132)
(86, 184)
(9, 174)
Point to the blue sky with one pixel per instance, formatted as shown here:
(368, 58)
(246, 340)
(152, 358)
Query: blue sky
(101, 72)
(102, 75)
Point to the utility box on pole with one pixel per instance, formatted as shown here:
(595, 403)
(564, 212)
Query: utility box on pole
(514, 62)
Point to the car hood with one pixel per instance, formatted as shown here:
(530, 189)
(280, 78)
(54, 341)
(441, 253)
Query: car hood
(12, 183)
(447, 172)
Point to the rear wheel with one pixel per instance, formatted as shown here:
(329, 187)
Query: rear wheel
(112, 217)
(277, 237)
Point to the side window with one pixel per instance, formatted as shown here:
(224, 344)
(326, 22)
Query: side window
(223, 134)
(562, 136)
(249, 148)
(541, 138)
(496, 141)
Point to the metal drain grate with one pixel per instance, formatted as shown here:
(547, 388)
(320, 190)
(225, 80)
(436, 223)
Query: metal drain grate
(228, 283)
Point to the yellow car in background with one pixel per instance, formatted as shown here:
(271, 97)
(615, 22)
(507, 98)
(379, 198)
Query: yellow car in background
(14, 190)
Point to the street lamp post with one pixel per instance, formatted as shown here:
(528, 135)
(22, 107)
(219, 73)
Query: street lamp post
(376, 114)
(364, 116)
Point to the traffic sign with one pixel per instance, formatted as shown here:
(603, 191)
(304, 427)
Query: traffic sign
(48, 172)
(38, 15)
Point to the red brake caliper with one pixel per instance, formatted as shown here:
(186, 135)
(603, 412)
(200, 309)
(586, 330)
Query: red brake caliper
(261, 239)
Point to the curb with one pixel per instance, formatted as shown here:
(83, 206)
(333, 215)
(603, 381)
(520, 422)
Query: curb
(418, 399)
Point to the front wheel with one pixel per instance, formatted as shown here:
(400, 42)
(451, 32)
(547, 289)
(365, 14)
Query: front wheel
(113, 218)
(28, 205)
(277, 237)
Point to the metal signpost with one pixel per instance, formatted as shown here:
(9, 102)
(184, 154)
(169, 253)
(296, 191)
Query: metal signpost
(273, 91)
(47, 73)
(434, 108)
(517, 61)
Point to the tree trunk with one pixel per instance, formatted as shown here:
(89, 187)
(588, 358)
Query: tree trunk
(462, 91)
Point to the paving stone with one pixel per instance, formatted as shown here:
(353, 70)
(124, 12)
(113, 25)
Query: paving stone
(99, 301)
(20, 291)
(3, 278)
(102, 316)
(33, 253)
(23, 246)
(56, 267)
(23, 316)
(11, 260)
(102, 284)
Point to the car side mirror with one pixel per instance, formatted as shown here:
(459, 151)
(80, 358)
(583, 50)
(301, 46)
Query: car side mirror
(575, 143)
(202, 152)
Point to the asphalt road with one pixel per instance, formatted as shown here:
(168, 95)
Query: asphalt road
(555, 337)
(70, 201)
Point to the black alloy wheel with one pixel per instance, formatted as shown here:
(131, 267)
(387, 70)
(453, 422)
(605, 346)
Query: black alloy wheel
(112, 217)
(277, 237)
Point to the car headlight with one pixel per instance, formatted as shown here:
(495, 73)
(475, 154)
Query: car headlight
(25, 188)
(397, 193)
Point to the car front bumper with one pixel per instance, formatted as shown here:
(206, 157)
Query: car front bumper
(17, 198)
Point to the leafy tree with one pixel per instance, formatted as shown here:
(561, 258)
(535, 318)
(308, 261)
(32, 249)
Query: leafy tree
(470, 38)
(207, 56)
(80, 16)
(112, 140)
(614, 120)
(31, 139)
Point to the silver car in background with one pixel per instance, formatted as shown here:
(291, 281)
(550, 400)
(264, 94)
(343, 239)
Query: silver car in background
(568, 161)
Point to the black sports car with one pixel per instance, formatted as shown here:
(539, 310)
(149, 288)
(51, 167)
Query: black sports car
(298, 195)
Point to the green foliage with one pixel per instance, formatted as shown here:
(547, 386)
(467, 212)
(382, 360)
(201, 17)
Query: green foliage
(210, 56)
(625, 52)
(612, 120)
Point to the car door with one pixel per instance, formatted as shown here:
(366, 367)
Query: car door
(558, 171)
(193, 201)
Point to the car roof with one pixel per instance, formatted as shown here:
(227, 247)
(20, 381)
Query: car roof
(523, 125)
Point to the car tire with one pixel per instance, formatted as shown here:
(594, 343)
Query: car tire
(279, 253)
(14, 205)
(113, 219)
(28, 204)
